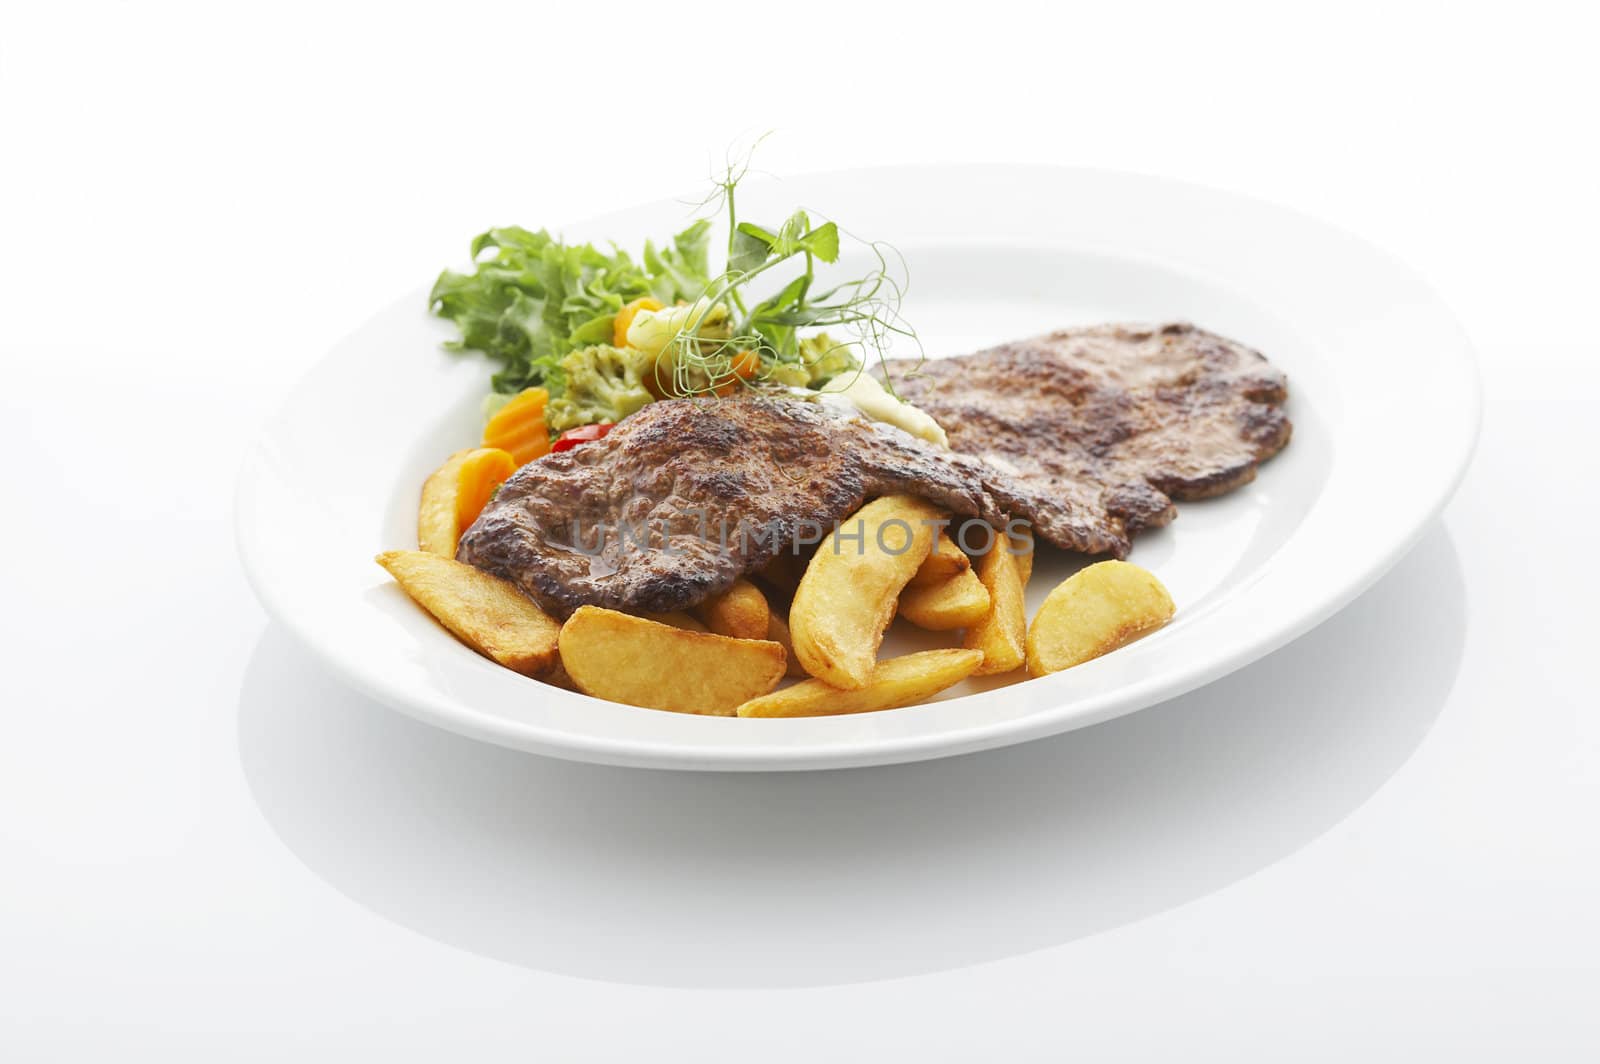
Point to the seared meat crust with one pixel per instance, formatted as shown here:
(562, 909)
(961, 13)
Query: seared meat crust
(1102, 428)
(683, 477)
(1087, 434)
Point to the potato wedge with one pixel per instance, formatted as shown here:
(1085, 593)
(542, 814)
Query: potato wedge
(557, 676)
(485, 612)
(1093, 612)
(778, 632)
(944, 561)
(1002, 633)
(894, 682)
(677, 619)
(849, 593)
(741, 611)
(782, 574)
(1022, 547)
(455, 494)
(640, 662)
(958, 601)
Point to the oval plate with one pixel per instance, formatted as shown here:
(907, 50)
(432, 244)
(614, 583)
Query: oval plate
(1383, 395)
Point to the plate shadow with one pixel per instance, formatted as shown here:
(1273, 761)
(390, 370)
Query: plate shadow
(807, 879)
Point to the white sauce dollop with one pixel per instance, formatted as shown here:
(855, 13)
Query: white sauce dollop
(870, 398)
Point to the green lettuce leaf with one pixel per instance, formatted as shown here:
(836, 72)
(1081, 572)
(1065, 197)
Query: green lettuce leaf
(530, 299)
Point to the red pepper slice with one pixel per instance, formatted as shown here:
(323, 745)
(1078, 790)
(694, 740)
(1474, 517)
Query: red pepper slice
(582, 434)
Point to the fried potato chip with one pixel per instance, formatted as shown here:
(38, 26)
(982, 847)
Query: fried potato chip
(640, 662)
(1001, 634)
(956, 602)
(849, 593)
(741, 611)
(893, 682)
(944, 561)
(454, 496)
(1093, 612)
(485, 612)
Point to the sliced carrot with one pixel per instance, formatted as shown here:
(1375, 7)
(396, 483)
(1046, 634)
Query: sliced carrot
(625, 316)
(519, 426)
(746, 366)
(483, 471)
(522, 438)
(456, 494)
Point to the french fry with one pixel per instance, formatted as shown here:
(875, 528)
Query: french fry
(848, 595)
(958, 601)
(1093, 612)
(893, 682)
(741, 611)
(1001, 634)
(454, 496)
(485, 612)
(944, 561)
(640, 662)
(778, 632)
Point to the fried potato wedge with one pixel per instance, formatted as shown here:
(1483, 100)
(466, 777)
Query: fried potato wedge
(454, 496)
(893, 682)
(778, 632)
(741, 611)
(782, 574)
(485, 612)
(678, 619)
(944, 561)
(640, 662)
(958, 601)
(1093, 612)
(1022, 551)
(557, 676)
(849, 593)
(1002, 633)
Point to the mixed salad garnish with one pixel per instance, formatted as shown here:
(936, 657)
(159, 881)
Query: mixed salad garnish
(584, 336)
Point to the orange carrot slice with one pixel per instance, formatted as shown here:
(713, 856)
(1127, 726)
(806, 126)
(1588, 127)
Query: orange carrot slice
(519, 427)
(454, 496)
(746, 366)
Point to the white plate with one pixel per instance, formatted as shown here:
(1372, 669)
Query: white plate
(1384, 399)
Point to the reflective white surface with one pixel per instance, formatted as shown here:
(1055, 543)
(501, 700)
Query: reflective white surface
(826, 878)
(1378, 844)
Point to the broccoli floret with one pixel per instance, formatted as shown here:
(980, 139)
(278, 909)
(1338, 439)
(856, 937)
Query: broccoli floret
(792, 374)
(825, 359)
(604, 383)
(818, 360)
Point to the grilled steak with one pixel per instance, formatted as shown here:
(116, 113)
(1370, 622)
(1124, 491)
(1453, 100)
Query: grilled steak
(638, 520)
(1088, 434)
(1101, 428)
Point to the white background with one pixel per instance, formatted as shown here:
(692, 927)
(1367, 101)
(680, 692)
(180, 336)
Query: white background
(1378, 844)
